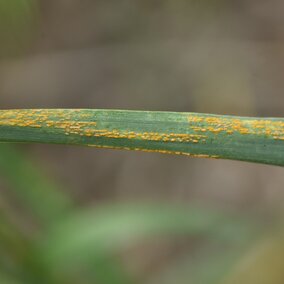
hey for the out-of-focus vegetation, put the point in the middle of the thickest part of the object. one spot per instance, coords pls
(18, 22)
(85, 245)
(207, 222)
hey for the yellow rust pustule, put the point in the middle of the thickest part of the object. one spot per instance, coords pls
(46, 119)
(64, 121)
(149, 136)
(259, 127)
(156, 151)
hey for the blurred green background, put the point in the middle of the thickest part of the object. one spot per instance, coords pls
(84, 215)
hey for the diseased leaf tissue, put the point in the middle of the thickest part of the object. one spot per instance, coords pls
(199, 135)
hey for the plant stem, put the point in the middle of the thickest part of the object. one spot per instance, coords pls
(249, 139)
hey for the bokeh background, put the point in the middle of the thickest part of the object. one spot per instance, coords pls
(223, 57)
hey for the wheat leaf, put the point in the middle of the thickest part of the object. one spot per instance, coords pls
(249, 139)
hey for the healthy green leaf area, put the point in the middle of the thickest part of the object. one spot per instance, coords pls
(249, 139)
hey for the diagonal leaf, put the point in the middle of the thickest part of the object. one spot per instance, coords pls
(262, 264)
(42, 197)
(106, 230)
(208, 266)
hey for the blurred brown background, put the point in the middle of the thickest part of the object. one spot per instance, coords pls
(224, 57)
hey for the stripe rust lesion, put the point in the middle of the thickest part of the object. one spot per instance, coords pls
(272, 129)
(156, 151)
(48, 119)
(82, 123)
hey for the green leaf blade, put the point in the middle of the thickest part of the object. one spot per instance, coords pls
(258, 140)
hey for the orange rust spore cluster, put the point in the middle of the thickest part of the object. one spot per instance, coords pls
(82, 126)
(48, 119)
(149, 136)
(200, 126)
(273, 129)
(196, 129)
(157, 151)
